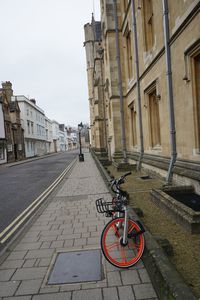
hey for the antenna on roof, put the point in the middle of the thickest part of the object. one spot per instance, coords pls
(93, 9)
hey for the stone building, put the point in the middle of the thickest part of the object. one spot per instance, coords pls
(72, 139)
(14, 132)
(95, 74)
(150, 85)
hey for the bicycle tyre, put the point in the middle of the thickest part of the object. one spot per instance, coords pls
(116, 254)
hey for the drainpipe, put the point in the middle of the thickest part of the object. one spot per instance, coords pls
(170, 93)
(120, 82)
(138, 85)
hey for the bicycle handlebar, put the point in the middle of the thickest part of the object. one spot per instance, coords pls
(118, 182)
(126, 174)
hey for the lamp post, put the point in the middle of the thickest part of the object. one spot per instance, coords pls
(81, 155)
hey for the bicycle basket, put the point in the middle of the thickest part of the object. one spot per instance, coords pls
(103, 206)
(107, 207)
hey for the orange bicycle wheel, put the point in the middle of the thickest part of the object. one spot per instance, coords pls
(119, 255)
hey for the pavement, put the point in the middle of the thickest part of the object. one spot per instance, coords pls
(69, 222)
(19, 162)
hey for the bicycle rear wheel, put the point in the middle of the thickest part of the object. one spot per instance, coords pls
(119, 255)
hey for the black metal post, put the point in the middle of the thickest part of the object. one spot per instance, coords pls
(80, 142)
(81, 155)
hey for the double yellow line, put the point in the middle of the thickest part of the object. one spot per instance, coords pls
(12, 227)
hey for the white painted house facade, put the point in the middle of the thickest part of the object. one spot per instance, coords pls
(3, 154)
(63, 138)
(33, 123)
(49, 136)
(62, 142)
(55, 133)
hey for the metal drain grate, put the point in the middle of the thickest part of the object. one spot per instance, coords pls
(74, 267)
(191, 200)
(145, 177)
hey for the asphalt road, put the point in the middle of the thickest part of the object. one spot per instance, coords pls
(21, 184)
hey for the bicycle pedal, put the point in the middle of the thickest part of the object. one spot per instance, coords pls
(135, 234)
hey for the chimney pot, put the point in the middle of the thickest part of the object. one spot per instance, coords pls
(33, 101)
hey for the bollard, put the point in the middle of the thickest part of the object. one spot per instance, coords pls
(81, 157)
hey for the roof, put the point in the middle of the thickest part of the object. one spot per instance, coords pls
(22, 98)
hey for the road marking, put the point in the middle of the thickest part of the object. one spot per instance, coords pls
(33, 206)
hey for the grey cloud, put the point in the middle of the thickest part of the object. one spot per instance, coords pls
(42, 54)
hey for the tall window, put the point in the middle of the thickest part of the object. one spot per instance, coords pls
(196, 75)
(154, 119)
(148, 23)
(28, 125)
(109, 111)
(32, 128)
(133, 125)
(192, 71)
(129, 53)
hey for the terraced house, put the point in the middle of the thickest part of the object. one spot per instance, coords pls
(33, 122)
(143, 66)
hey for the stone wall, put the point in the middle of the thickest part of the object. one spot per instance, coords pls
(184, 45)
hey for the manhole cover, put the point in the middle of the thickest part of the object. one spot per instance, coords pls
(79, 266)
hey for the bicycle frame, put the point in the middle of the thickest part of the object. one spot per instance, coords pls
(122, 234)
(125, 233)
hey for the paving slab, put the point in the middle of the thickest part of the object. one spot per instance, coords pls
(18, 298)
(28, 287)
(11, 264)
(110, 294)
(5, 275)
(130, 277)
(8, 288)
(144, 291)
(126, 292)
(29, 273)
(70, 222)
(93, 294)
(53, 296)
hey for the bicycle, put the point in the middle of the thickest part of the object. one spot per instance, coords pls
(122, 239)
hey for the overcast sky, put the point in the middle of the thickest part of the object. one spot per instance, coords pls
(42, 54)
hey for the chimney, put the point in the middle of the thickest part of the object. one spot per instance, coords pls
(7, 88)
(62, 127)
(33, 101)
